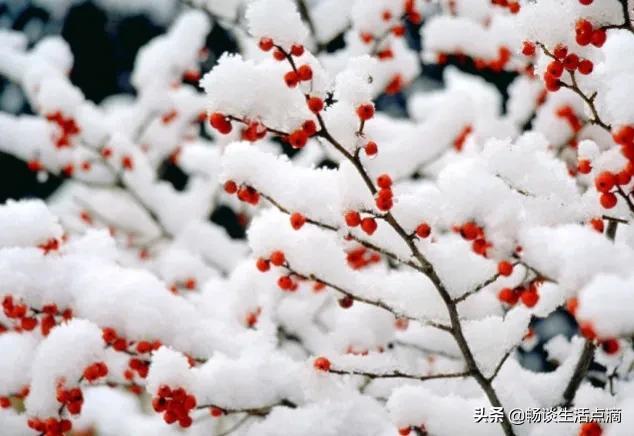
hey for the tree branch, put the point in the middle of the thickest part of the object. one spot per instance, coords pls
(399, 374)
(579, 374)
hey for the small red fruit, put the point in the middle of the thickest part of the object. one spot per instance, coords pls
(352, 218)
(371, 149)
(584, 166)
(530, 297)
(322, 364)
(262, 264)
(528, 48)
(610, 346)
(605, 181)
(315, 104)
(423, 230)
(608, 200)
(586, 66)
(230, 187)
(384, 181)
(305, 73)
(292, 79)
(266, 44)
(365, 112)
(277, 258)
(297, 50)
(505, 268)
(368, 225)
(297, 220)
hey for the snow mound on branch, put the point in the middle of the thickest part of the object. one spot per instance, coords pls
(278, 20)
(27, 223)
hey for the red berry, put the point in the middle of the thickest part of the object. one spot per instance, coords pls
(298, 138)
(586, 2)
(584, 166)
(590, 429)
(597, 224)
(384, 181)
(230, 187)
(560, 51)
(423, 230)
(624, 136)
(505, 268)
(315, 104)
(322, 364)
(291, 78)
(508, 296)
(277, 258)
(305, 73)
(610, 346)
(365, 111)
(470, 231)
(279, 55)
(571, 62)
(185, 421)
(586, 66)
(285, 283)
(297, 220)
(587, 330)
(528, 48)
(216, 411)
(404, 431)
(297, 50)
(368, 225)
(266, 44)
(309, 127)
(598, 37)
(366, 37)
(398, 31)
(608, 200)
(384, 200)
(555, 68)
(605, 181)
(352, 218)
(371, 149)
(262, 264)
(28, 323)
(220, 122)
(530, 297)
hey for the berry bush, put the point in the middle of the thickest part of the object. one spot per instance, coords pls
(395, 267)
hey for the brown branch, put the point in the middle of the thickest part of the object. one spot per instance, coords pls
(574, 86)
(350, 235)
(626, 197)
(500, 365)
(399, 374)
(377, 303)
(479, 287)
(252, 411)
(587, 355)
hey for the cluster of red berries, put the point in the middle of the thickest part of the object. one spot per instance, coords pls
(470, 231)
(606, 181)
(302, 74)
(512, 5)
(564, 61)
(568, 114)
(51, 426)
(72, 399)
(384, 197)
(361, 257)
(140, 366)
(277, 258)
(28, 323)
(367, 224)
(586, 34)
(175, 404)
(68, 126)
(299, 137)
(458, 143)
(496, 65)
(95, 371)
(253, 131)
(246, 193)
(267, 44)
(528, 294)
